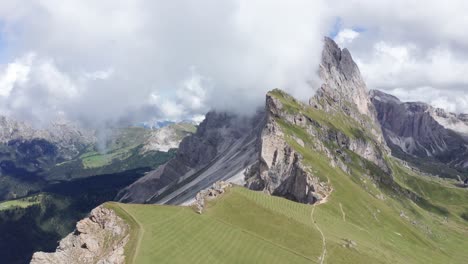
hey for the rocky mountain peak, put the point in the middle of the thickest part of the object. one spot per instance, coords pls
(333, 56)
(342, 79)
(344, 91)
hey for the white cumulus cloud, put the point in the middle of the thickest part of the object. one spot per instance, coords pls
(345, 36)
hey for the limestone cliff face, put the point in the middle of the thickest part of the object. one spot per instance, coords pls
(280, 169)
(422, 131)
(343, 83)
(100, 238)
(344, 91)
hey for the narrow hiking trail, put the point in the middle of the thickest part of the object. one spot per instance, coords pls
(343, 213)
(324, 241)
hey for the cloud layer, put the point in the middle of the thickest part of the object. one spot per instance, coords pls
(415, 50)
(112, 61)
(117, 62)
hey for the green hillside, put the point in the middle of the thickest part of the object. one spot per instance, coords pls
(371, 216)
(244, 226)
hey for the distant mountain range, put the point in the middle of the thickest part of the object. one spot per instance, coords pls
(56, 175)
(431, 138)
(30, 157)
(164, 123)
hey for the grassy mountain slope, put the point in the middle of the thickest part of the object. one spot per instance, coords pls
(238, 228)
(371, 216)
(244, 226)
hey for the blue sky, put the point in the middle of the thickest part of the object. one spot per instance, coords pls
(2, 44)
(339, 25)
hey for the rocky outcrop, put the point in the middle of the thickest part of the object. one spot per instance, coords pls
(100, 238)
(422, 131)
(279, 170)
(217, 189)
(168, 137)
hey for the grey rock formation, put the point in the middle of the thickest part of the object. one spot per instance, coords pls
(100, 238)
(280, 170)
(345, 92)
(422, 131)
(342, 82)
(221, 149)
(217, 189)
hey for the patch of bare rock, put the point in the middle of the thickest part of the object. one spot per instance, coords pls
(215, 191)
(99, 238)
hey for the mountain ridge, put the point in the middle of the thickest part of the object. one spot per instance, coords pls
(421, 131)
(265, 147)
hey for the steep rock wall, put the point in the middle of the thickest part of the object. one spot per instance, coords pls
(99, 238)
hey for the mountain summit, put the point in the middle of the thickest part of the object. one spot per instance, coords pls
(342, 78)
